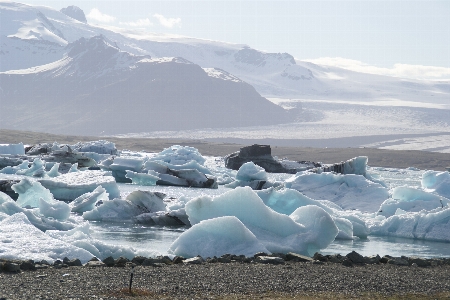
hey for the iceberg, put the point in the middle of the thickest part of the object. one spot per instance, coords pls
(411, 200)
(277, 232)
(142, 178)
(125, 210)
(19, 239)
(215, 237)
(12, 149)
(99, 147)
(37, 169)
(30, 193)
(70, 186)
(88, 201)
(437, 183)
(348, 191)
(58, 210)
(249, 171)
(15, 169)
(179, 155)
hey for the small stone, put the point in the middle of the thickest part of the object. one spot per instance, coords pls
(11, 267)
(121, 262)
(27, 265)
(398, 261)
(355, 257)
(320, 257)
(138, 259)
(347, 262)
(109, 261)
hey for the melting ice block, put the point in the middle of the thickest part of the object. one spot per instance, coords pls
(411, 200)
(348, 191)
(436, 182)
(124, 210)
(72, 185)
(142, 178)
(215, 237)
(99, 147)
(432, 225)
(19, 239)
(12, 149)
(277, 232)
(87, 202)
(249, 171)
(31, 192)
(179, 155)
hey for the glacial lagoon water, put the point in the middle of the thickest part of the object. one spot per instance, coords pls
(157, 239)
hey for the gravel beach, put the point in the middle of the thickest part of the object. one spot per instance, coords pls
(234, 280)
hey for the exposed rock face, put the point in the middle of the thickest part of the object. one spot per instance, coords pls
(75, 13)
(261, 155)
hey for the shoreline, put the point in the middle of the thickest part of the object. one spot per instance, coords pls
(234, 277)
(377, 157)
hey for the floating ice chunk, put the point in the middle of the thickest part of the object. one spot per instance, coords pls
(8, 205)
(80, 237)
(58, 209)
(37, 169)
(142, 178)
(411, 200)
(12, 149)
(87, 201)
(72, 185)
(15, 169)
(216, 237)
(320, 227)
(54, 171)
(437, 182)
(30, 193)
(124, 210)
(74, 168)
(249, 171)
(162, 167)
(189, 178)
(171, 218)
(433, 225)
(19, 239)
(348, 191)
(99, 147)
(278, 233)
(345, 228)
(179, 155)
(120, 165)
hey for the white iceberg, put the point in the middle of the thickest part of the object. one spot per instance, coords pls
(277, 232)
(179, 155)
(72, 185)
(87, 201)
(437, 183)
(12, 149)
(215, 237)
(348, 191)
(30, 193)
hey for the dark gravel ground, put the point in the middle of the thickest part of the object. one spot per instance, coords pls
(231, 281)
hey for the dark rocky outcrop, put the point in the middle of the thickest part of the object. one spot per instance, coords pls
(261, 155)
(75, 13)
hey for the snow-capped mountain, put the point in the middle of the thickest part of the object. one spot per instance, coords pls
(97, 88)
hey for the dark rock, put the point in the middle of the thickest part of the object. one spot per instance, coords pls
(398, 261)
(109, 261)
(27, 265)
(223, 260)
(319, 257)
(336, 258)
(347, 262)
(374, 259)
(165, 260)
(121, 262)
(260, 254)
(94, 259)
(421, 262)
(259, 155)
(297, 257)
(138, 260)
(177, 260)
(10, 267)
(385, 259)
(5, 187)
(74, 263)
(355, 257)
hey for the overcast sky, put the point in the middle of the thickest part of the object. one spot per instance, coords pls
(379, 36)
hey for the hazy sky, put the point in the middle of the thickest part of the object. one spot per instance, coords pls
(387, 36)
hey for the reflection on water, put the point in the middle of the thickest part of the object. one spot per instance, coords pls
(390, 246)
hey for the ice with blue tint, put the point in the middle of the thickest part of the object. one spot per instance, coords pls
(249, 171)
(19, 239)
(125, 210)
(120, 165)
(348, 191)
(179, 155)
(99, 147)
(142, 178)
(58, 210)
(15, 169)
(12, 149)
(277, 232)
(37, 169)
(161, 166)
(411, 200)
(215, 237)
(88, 201)
(30, 193)
(54, 171)
(437, 183)
(81, 238)
(431, 225)
(72, 185)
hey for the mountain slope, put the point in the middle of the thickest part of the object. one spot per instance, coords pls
(96, 88)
